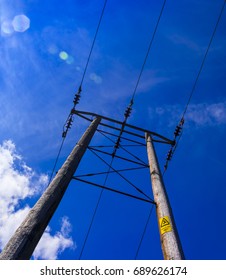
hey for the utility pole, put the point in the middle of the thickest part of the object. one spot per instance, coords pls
(170, 242)
(27, 236)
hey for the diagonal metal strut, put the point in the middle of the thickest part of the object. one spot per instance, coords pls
(113, 190)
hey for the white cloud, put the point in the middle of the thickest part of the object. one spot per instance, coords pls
(14, 179)
(207, 114)
(18, 182)
(50, 246)
(200, 115)
(9, 222)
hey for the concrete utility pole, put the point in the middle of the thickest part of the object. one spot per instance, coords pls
(27, 236)
(170, 242)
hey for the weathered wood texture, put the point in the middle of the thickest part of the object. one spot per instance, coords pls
(170, 242)
(27, 236)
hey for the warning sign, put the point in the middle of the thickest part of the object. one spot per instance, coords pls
(165, 225)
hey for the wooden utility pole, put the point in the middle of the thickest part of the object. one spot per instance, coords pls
(170, 242)
(27, 236)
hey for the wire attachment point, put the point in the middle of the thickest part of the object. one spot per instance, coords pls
(179, 128)
(68, 125)
(77, 96)
(128, 110)
(177, 131)
(177, 135)
(169, 155)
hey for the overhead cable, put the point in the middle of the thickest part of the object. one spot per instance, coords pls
(130, 106)
(144, 231)
(179, 127)
(149, 48)
(95, 212)
(77, 96)
(204, 59)
(68, 124)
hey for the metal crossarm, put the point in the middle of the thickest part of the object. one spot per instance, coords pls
(89, 116)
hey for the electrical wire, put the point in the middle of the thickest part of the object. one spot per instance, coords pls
(95, 211)
(123, 148)
(144, 231)
(56, 160)
(69, 120)
(77, 96)
(148, 51)
(94, 40)
(204, 59)
(130, 106)
(181, 123)
(126, 115)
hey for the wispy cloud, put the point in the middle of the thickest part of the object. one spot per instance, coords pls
(207, 114)
(198, 115)
(36, 86)
(185, 41)
(17, 183)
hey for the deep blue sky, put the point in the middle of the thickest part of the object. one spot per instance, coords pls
(40, 71)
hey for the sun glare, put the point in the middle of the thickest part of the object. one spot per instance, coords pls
(20, 23)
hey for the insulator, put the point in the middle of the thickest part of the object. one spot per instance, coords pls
(77, 98)
(177, 131)
(169, 155)
(69, 123)
(127, 112)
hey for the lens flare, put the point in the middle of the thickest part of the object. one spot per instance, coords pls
(7, 28)
(70, 59)
(21, 23)
(63, 55)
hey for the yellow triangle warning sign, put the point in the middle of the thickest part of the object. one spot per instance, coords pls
(165, 225)
(164, 222)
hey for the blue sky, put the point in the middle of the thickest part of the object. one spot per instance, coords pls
(44, 47)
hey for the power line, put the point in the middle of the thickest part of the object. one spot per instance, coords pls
(144, 231)
(179, 127)
(56, 160)
(126, 116)
(204, 59)
(77, 96)
(95, 211)
(123, 148)
(94, 40)
(130, 106)
(148, 51)
(68, 124)
(110, 167)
